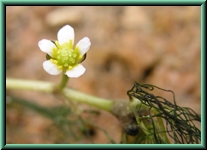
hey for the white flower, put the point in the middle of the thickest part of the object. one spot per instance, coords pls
(62, 55)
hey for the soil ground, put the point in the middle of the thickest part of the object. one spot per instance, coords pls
(158, 45)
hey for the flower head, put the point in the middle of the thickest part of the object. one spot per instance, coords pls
(62, 55)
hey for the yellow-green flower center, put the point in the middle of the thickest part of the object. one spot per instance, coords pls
(64, 56)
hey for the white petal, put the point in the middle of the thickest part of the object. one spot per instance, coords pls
(51, 68)
(84, 45)
(65, 34)
(76, 71)
(46, 46)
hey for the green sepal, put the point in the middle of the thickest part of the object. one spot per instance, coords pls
(82, 59)
(48, 57)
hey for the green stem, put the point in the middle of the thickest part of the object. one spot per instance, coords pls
(20, 84)
(160, 124)
(97, 102)
(146, 127)
(63, 82)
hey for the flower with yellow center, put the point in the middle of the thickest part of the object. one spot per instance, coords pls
(62, 55)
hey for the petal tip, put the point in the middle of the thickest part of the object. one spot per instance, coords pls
(65, 34)
(76, 72)
(84, 45)
(51, 68)
(46, 46)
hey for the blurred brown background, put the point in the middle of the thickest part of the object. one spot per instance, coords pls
(158, 45)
